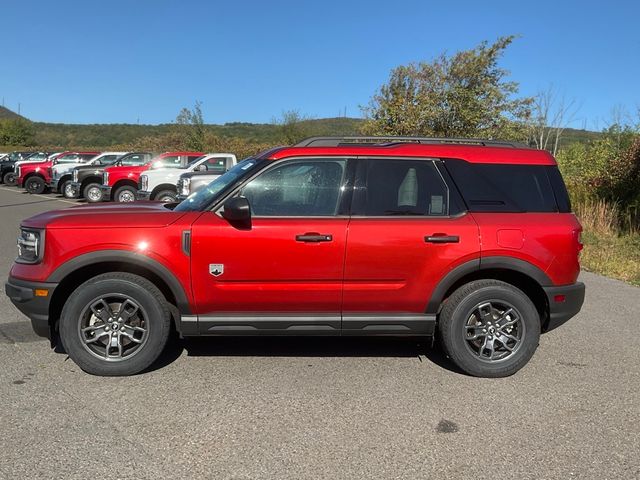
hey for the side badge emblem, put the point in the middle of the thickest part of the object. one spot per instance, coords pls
(216, 269)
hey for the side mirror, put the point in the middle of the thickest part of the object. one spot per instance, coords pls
(201, 168)
(237, 210)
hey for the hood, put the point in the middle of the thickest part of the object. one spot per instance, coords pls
(137, 214)
(126, 168)
(34, 165)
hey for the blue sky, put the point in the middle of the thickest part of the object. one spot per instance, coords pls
(128, 61)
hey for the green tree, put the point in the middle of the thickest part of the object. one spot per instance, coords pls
(16, 132)
(291, 127)
(465, 95)
(190, 124)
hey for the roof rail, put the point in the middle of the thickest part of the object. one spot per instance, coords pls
(390, 140)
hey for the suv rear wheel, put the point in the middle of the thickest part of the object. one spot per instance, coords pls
(92, 193)
(115, 324)
(125, 194)
(35, 185)
(489, 328)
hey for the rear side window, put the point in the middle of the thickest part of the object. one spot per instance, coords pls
(400, 187)
(136, 159)
(503, 188)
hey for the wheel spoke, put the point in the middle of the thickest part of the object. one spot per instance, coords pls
(98, 332)
(485, 311)
(102, 310)
(131, 334)
(128, 309)
(504, 344)
(477, 332)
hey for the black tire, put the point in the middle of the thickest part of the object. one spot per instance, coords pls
(167, 196)
(62, 186)
(9, 179)
(35, 185)
(125, 194)
(152, 314)
(469, 312)
(92, 193)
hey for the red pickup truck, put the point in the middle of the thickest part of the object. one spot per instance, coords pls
(120, 183)
(35, 177)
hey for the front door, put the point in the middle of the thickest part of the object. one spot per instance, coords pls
(284, 273)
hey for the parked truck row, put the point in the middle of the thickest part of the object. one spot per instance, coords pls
(114, 176)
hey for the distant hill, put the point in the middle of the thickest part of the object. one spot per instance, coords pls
(106, 135)
(5, 113)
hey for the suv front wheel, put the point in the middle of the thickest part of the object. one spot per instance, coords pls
(115, 324)
(489, 328)
(125, 194)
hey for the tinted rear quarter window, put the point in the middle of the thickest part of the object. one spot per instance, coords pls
(503, 188)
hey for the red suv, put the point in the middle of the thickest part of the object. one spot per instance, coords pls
(120, 183)
(473, 241)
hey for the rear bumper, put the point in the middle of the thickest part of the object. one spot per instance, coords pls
(143, 195)
(74, 188)
(106, 193)
(21, 293)
(564, 303)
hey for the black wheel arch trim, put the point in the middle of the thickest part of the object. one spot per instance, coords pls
(123, 256)
(484, 263)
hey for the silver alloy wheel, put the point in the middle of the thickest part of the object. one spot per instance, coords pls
(167, 199)
(126, 196)
(113, 327)
(494, 331)
(68, 191)
(94, 194)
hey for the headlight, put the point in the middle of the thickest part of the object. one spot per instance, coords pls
(29, 246)
(17, 171)
(75, 175)
(105, 178)
(144, 182)
(185, 186)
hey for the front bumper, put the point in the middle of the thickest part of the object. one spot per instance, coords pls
(75, 189)
(53, 186)
(106, 193)
(22, 295)
(564, 303)
(143, 195)
(19, 181)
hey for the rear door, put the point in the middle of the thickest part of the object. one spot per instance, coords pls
(284, 273)
(407, 231)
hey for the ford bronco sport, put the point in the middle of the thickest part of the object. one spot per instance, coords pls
(473, 241)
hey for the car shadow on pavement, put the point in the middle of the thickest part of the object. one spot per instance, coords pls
(420, 349)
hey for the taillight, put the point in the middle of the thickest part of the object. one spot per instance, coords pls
(577, 234)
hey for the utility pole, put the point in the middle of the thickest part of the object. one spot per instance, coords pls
(18, 108)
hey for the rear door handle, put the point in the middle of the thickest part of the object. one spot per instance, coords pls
(314, 237)
(442, 238)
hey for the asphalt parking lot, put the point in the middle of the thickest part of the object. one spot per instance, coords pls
(323, 408)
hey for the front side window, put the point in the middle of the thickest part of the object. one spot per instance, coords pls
(400, 187)
(297, 188)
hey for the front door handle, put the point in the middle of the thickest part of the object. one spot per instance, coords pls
(442, 238)
(313, 237)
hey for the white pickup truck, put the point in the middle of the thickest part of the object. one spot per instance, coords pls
(160, 184)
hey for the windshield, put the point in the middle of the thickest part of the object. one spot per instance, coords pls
(199, 200)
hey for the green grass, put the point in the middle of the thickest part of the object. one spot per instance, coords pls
(616, 256)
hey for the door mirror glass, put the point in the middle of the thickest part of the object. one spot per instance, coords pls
(237, 210)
